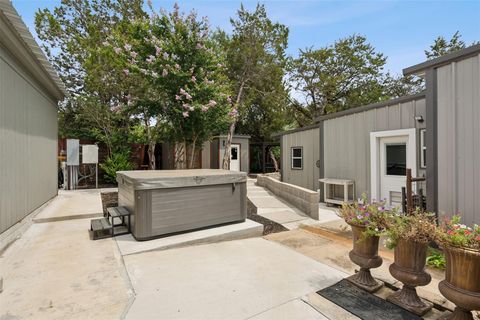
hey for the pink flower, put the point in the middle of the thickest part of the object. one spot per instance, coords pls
(117, 50)
(189, 97)
(150, 59)
(212, 103)
(191, 108)
(127, 47)
(186, 106)
(177, 97)
(229, 99)
(204, 108)
(233, 113)
(165, 55)
(133, 54)
(158, 50)
(185, 114)
(182, 91)
(194, 79)
(126, 71)
(164, 72)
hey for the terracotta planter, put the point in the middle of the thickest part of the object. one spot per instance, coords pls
(365, 255)
(462, 281)
(409, 268)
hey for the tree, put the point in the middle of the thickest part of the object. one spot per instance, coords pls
(337, 77)
(72, 35)
(441, 46)
(176, 82)
(255, 66)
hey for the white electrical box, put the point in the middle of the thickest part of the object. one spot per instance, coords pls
(90, 153)
(73, 152)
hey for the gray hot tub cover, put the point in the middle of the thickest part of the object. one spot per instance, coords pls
(157, 179)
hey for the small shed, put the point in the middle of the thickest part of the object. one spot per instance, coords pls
(213, 152)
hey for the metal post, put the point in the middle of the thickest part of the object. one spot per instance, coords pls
(409, 192)
(96, 175)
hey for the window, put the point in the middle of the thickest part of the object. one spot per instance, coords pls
(423, 149)
(396, 159)
(297, 158)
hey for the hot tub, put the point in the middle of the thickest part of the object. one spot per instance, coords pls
(169, 201)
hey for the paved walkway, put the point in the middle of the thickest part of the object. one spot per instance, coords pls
(280, 211)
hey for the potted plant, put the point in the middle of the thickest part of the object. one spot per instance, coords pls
(462, 275)
(368, 222)
(410, 235)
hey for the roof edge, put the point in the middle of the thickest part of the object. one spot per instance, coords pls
(451, 57)
(19, 41)
(305, 128)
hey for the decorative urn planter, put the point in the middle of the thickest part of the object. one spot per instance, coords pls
(365, 255)
(462, 281)
(409, 268)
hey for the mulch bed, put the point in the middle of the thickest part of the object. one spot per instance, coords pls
(109, 199)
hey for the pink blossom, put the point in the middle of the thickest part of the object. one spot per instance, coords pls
(204, 108)
(191, 108)
(229, 99)
(186, 106)
(117, 50)
(143, 71)
(154, 74)
(150, 59)
(126, 71)
(158, 50)
(200, 46)
(165, 55)
(182, 91)
(212, 103)
(164, 72)
(133, 54)
(177, 66)
(105, 43)
(194, 79)
(127, 47)
(233, 113)
(177, 97)
(185, 114)
(189, 97)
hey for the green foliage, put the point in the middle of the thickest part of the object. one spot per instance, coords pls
(256, 62)
(371, 215)
(419, 227)
(436, 258)
(453, 233)
(118, 161)
(442, 46)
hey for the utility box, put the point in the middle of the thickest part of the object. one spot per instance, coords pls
(90, 154)
(73, 152)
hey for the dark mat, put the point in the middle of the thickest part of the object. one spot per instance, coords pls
(364, 304)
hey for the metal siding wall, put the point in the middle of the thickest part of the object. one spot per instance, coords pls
(459, 139)
(347, 139)
(244, 152)
(28, 145)
(310, 141)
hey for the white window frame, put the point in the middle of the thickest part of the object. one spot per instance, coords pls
(296, 158)
(423, 146)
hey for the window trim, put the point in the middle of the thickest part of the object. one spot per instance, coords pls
(296, 158)
(423, 146)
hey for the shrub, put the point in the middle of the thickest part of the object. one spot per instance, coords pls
(419, 227)
(436, 258)
(118, 161)
(373, 216)
(453, 233)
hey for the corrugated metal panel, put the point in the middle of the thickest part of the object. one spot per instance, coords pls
(347, 139)
(458, 112)
(309, 175)
(28, 145)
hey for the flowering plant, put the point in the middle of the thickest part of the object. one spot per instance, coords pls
(453, 233)
(419, 227)
(371, 215)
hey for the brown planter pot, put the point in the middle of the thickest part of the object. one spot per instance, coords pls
(409, 268)
(462, 281)
(365, 255)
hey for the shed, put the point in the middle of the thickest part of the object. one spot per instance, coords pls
(29, 92)
(453, 132)
(213, 151)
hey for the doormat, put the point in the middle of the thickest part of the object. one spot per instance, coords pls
(364, 304)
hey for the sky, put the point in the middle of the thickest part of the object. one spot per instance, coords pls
(402, 29)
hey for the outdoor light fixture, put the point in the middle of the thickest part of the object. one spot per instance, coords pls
(419, 118)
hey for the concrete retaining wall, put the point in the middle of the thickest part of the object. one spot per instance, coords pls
(304, 199)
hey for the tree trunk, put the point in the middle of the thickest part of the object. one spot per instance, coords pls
(231, 131)
(272, 156)
(180, 152)
(192, 157)
(151, 155)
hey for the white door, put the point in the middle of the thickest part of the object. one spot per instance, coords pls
(235, 157)
(393, 165)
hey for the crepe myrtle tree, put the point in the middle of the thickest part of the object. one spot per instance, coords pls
(176, 83)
